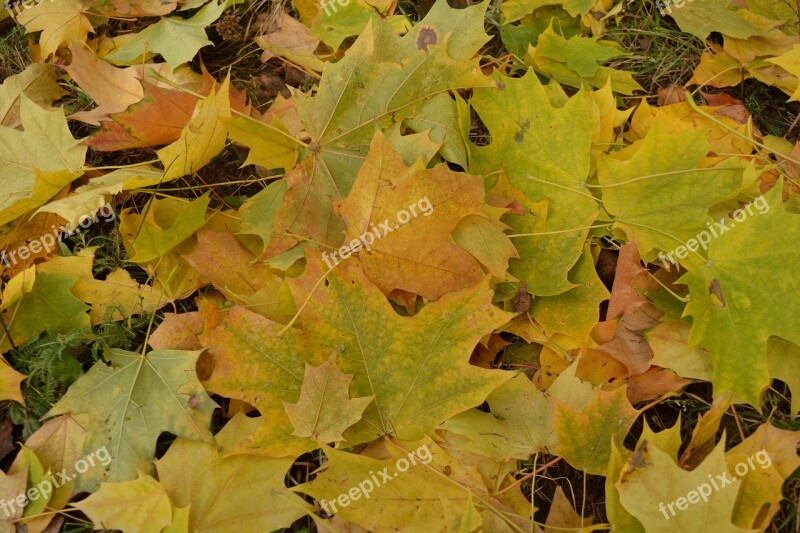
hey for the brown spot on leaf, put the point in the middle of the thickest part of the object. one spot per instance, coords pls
(716, 290)
(522, 300)
(523, 129)
(637, 458)
(426, 37)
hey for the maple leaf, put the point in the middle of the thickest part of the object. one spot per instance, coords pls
(60, 21)
(651, 481)
(221, 260)
(109, 506)
(117, 292)
(573, 312)
(113, 89)
(628, 282)
(26, 460)
(514, 10)
(465, 28)
(776, 458)
(722, 132)
(790, 63)
(713, 15)
(390, 366)
(587, 421)
(737, 299)
(11, 485)
(545, 152)
(130, 403)
(160, 116)
(325, 409)
(10, 381)
(291, 39)
(447, 120)
(344, 19)
(177, 332)
(258, 212)
(271, 145)
(33, 313)
(670, 343)
(96, 195)
(483, 237)
(37, 82)
(430, 267)
(38, 162)
(577, 60)
(657, 193)
(563, 516)
(157, 119)
(194, 474)
(447, 494)
(202, 138)
(58, 444)
(140, 8)
(784, 364)
(388, 79)
(177, 39)
(165, 224)
(519, 425)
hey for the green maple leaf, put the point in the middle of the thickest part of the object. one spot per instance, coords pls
(574, 312)
(49, 306)
(702, 18)
(743, 296)
(514, 10)
(341, 20)
(448, 121)
(177, 39)
(270, 145)
(131, 402)
(657, 193)
(578, 60)
(165, 224)
(545, 151)
(258, 212)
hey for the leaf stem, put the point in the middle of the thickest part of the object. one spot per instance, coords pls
(308, 299)
(605, 225)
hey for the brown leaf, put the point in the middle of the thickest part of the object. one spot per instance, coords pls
(739, 113)
(625, 298)
(629, 345)
(720, 99)
(671, 95)
(654, 383)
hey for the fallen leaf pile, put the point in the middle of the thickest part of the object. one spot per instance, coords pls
(490, 257)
